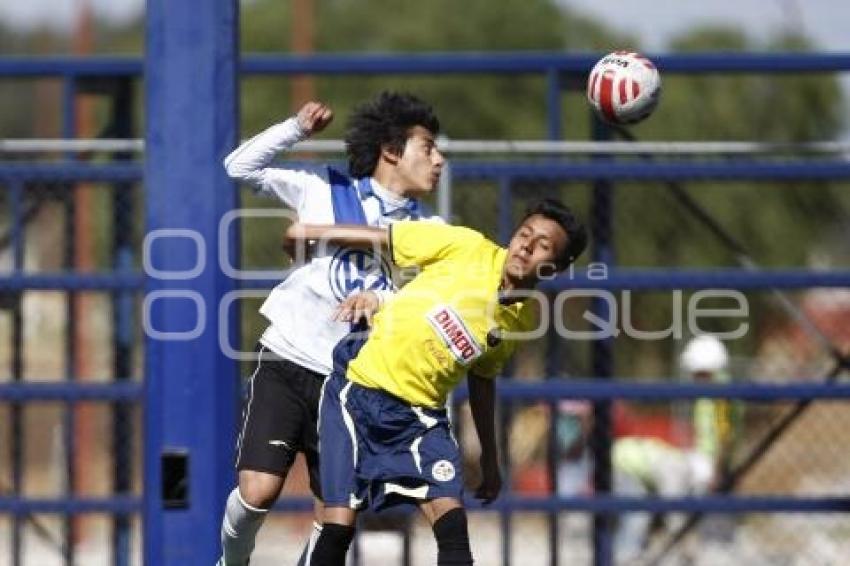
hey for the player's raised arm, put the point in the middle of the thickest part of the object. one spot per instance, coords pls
(314, 117)
(251, 162)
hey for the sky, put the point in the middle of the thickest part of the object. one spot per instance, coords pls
(656, 21)
(59, 14)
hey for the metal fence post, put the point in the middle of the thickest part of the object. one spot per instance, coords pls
(191, 74)
(602, 239)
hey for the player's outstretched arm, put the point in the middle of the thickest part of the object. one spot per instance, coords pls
(352, 235)
(482, 401)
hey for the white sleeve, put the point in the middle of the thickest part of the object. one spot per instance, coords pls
(249, 163)
(435, 219)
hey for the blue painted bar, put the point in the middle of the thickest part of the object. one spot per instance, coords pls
(580, 388)
(72, 506)
(667, 279)
(584, 388)
(113, 281)
(626, 170)
(592, 389)
(455, 62)
(732, 169)
(192, 395)
(650, 279)
(61, 66)
(71, 172)
(33, 390)
(614, 504)
(536, 62)
(728, 169)
(707, 504)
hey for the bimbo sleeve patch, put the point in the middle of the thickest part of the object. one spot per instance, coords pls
(460, 341)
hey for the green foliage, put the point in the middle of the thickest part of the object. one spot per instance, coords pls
(479, 106)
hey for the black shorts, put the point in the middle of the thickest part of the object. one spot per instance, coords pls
(279, 418)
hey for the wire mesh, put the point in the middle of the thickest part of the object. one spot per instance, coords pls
(55, 335)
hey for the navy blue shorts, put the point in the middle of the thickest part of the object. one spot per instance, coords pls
(377, 450)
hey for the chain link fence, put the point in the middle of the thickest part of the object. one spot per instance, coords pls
(65, 321)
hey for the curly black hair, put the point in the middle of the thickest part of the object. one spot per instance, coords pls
(384, 121)
(576, 233)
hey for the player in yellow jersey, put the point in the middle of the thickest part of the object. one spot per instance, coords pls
(384, 432)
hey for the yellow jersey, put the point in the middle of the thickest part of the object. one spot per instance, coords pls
(446, 322)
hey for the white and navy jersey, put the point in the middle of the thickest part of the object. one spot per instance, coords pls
(300, 307)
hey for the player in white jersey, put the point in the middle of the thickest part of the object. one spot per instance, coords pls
(392, 160)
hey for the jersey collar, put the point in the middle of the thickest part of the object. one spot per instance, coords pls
(391, 205)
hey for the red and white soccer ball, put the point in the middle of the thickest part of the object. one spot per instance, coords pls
(624, 87)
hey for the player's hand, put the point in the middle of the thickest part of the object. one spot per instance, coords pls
(357, 307)
(491, 481)
(314, 117)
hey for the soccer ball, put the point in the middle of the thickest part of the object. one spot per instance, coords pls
(623, 87)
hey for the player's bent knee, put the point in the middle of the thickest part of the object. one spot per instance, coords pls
(259, 489)
(332, 545)
(452, 534)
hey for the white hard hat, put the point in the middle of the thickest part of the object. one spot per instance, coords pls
(704, 353)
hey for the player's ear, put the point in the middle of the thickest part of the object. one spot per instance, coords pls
(390, 154)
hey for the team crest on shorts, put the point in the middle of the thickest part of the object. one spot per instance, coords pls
(443, 470)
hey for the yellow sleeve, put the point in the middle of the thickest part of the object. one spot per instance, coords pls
(491, 364)
(420, 243)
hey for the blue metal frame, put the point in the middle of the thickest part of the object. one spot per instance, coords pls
(71, 506)
(16, 195)
(171, 151)
(16, 392)
(616, 504)
(652, 279)
(192, 393)
(457, 62)
(590, 389)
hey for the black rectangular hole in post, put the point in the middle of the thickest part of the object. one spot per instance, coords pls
(175, 479)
